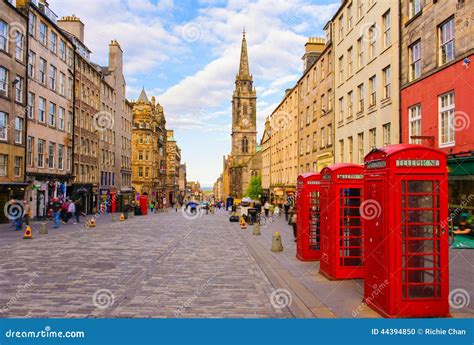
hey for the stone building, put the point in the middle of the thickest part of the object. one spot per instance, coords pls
(315, 107)
(13, 101)
(50, 125)
(149, 153)
(244, 126)
(88, 77)
(182, 182)
(173, 163)
(265, 144)
(114, 122)
(366, 70)
(437, 74)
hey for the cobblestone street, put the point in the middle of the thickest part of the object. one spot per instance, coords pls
(162, 265)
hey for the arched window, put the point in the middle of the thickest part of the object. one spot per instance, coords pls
(245, 145)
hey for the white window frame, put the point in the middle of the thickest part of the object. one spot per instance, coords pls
(414, 60)
(3, 126)
(19, 123)
(414, 121)
(448, 110)
(446, 41)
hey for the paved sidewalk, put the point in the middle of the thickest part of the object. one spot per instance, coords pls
(343, 298)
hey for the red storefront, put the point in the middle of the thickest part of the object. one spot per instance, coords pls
(437, 111)
(308, 217)
(405, 242)
(341, 225)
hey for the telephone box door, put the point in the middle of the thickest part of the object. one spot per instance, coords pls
(424, 243)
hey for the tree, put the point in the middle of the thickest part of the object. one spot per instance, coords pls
(254, 189)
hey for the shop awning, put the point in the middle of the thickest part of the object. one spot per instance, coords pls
(461, 165)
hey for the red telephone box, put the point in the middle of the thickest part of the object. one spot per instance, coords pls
(341, 226)
(406, 241)
(308, 217)
(144, 204)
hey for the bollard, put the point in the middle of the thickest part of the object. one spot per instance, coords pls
(43, 230)
(114, 218)
(132, 214)
(256, 229)
(277, 246)
(86, 224)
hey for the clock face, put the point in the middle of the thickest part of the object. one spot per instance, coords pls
(245, 122)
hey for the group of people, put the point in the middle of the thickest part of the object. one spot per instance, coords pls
(63, 211)
(288, 209)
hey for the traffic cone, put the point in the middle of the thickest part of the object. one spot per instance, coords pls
(243, 224)
(122, 217)
(28, 233)
(92, 223)
(277, 246)
(256, 229)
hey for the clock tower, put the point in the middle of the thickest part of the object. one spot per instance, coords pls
(244, 112)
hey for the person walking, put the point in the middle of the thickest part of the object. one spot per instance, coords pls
(152, 206)
(293, 221)
(71, 211)
(266, 208)
(56, 208)
(77, 211)
(286, 208)
(26, 212)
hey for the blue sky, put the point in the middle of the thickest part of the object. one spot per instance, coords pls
(186, 53)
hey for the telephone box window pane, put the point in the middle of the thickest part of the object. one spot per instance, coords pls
(420, 231)
(420, 216)
(420, 187)
(421, 247)
(422, 291)
(414, 261)
(314, 226)
(420, 201)
(350, 232)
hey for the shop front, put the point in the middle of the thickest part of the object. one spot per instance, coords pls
(41, 192)
(10, 191)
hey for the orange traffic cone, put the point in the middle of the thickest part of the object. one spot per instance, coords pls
(92, 223)
(28, 235)
(122, 217)
(243, 224)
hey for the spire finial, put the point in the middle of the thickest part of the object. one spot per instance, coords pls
(243, 32)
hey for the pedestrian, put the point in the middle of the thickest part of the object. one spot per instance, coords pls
(293, 221)
(276, 211)
(71, 210)
(78, 211)
(286, 208)
(19, 223)
(55, 206)
(266, 208)
(26, 212)
(63, 213)
(152, 206)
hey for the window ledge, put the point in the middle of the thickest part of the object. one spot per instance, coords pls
(412, 19)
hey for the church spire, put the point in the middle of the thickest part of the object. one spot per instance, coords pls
(244, 72)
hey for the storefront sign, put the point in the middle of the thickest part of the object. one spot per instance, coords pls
(417, 163)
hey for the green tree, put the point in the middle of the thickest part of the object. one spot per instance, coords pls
(254, 189)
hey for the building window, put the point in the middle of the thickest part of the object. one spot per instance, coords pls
(360, 146)
(52, 114)
(29, 151)
(372, 138)
(322, 69)
(41, 147)
(41, 109)
(31, 64)
(51, 152)
(61, 118)
(3, 81)
(349, 62)
(308, 144)
(19, 84)
(32, 24)
(31, 105)
(386, 29)
(20, 45)
(3, 126)
(360, 95)
(341, 109)
(386, 82)
(350, 104)
(61, 157)
(349, 17)
(446, 41)
(245, 145)
(341, 151)
(68, 159)
(53, 42)
(62, 85)
(42, 71)
(373, 90)
(341, 69)
(140, 171)
(387, 134)
(62, 50)
(350, 141)
(18, 130)
(341, 28)
(360, 8)
(414, 56)
(414, 7)
(3, 165)
(52, 77)
(3, 36)
(323, 104)
(446, 119)
(315, 141)
(329, 135)
(70, 57)
(360, 53)
(18, 165)
(308, 116)
(43, 33)
(323, 138)
(140, 155)
(329, 100)
(372, 41)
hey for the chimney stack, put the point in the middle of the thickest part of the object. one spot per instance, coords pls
(313, 49)
(73, 25)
